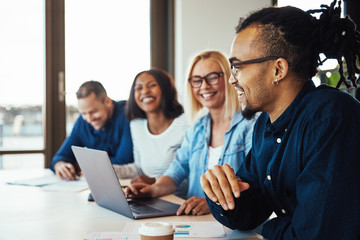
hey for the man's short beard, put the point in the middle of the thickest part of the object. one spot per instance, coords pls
(248, 113)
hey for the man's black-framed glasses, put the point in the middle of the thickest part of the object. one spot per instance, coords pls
(235, 65)
(210, 79)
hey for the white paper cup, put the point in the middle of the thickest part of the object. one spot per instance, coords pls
(156, 230)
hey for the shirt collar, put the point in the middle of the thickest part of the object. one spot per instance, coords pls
(236, 118)
(280, 124)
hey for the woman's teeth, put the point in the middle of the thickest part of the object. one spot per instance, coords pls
(147, 99)
(207, 95)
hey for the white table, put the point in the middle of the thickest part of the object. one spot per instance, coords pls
(30, 213)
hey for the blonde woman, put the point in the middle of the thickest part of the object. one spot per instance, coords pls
(222, 136)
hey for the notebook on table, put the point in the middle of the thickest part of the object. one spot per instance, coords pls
(107, 191)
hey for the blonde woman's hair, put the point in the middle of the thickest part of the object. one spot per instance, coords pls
(192, 106)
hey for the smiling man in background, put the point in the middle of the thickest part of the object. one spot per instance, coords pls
(102, 125)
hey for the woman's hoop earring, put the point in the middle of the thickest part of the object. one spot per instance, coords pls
(275, 82)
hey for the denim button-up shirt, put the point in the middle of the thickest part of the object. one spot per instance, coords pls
(191, 158)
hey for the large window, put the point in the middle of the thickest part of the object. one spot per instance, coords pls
(22, 61)
(107, 41)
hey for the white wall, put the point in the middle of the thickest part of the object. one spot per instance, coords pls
(206, 24)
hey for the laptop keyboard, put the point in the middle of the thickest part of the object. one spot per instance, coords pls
(139, 208)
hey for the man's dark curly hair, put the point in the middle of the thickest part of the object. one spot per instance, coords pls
(299, 37)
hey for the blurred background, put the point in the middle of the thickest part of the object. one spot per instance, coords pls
(49, 48)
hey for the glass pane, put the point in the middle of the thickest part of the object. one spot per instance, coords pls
(17, 161)
(22, 74)
(107, 41)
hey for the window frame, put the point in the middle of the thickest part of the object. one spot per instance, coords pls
(54, 110)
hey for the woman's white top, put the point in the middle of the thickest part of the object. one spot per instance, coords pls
(153, 153)
(214, 156)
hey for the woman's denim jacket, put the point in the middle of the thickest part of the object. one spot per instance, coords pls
(191, 158)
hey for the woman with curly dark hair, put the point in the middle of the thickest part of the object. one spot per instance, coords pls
(157, 125)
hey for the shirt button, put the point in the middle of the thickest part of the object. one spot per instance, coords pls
(269, 177)
(283, 211)
(217, 203)
(221, 215)
(278, 140)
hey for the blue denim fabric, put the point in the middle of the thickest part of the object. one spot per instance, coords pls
(191, 158)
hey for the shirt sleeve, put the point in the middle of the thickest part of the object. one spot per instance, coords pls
(65, 153)
(251, 208)
(135, 136)
(127, 170)
(130, 170)
(179, 167)
(124, 150)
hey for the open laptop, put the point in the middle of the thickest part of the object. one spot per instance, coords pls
(107, 191)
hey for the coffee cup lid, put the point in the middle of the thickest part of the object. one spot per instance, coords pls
(156, 229)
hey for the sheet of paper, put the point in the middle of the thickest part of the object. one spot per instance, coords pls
(199, 229)
(37, 182)
(50, 182)
(208, 229)
(67, 186)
